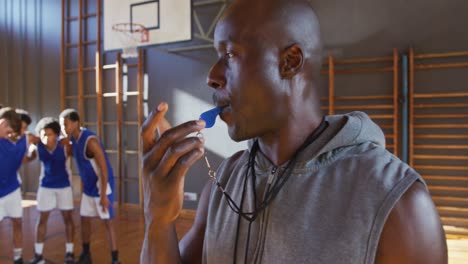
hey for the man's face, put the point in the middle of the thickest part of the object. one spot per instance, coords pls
(5, 128)
(24, 128)
(246, 79)
(48, 137)
(68, 126)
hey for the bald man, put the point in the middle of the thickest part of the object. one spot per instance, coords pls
(309, 189)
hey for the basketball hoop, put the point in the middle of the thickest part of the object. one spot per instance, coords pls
(130, 34)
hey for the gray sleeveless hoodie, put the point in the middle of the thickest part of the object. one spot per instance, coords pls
(331, 210)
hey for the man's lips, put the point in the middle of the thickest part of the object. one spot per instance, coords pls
(221, 99)
(223, 106)
(226, 114)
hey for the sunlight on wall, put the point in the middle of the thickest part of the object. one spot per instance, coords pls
(188, 107)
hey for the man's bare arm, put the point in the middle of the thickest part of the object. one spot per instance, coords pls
(94, 150)
(413, 232)
(65, 142)
(191, 245)
(31, 154)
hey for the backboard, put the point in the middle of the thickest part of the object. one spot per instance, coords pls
(167, 21)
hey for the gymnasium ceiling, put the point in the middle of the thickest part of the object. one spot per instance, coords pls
(375, 26)
(385, 24)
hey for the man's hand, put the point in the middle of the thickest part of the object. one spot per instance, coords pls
(64, 141)
(104, 203)
(168, 153)
(33, 139)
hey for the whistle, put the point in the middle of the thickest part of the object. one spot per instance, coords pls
(210, 116)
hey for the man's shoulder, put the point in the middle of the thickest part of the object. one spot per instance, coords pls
(236, 158)
(371, 151)
(230, 164)
(87, 133)
(413, 218)
(88, 136)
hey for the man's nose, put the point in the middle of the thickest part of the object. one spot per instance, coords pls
(216, 78)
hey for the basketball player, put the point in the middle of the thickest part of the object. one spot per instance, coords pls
(54, 190)
(11, 157)
(98, 181)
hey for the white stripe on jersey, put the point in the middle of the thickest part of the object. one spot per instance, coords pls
(98, 173)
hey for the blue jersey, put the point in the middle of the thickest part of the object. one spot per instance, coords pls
(89, 171)
(54, 173)
(11, 157)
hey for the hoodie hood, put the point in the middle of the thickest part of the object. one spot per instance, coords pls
(351, 129)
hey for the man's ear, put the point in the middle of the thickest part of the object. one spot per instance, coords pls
(291, 62)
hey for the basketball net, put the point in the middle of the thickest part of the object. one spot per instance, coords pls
(130, 35)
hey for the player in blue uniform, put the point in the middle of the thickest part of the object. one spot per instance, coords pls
(54, 190)
(11, 157)
(97, 178)
(30, 155)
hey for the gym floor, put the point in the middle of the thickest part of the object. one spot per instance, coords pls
(130, 229)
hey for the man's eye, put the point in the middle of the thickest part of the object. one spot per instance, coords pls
(228, 55)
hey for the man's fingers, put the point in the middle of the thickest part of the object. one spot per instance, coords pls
(153, 156)
(151, 159)
(155, 122)
(185, 162)
(174, 153)
(177, 133)
(104, 204)
(152, 120)
(163, 126)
